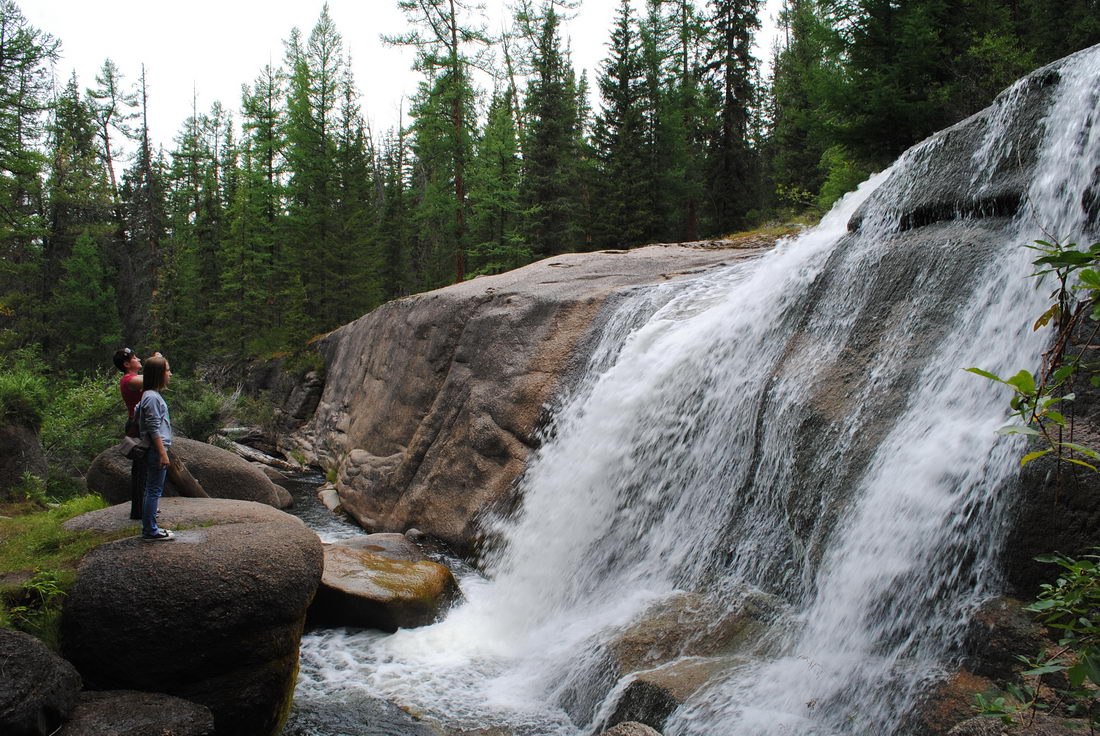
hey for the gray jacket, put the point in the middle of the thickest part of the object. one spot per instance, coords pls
(153, 417)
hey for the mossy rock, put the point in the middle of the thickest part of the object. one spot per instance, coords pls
(381, 581)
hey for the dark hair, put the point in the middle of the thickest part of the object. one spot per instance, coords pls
(121, 356)
(156, 373)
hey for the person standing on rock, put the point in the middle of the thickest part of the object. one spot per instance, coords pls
(130, 386)
(155, 426)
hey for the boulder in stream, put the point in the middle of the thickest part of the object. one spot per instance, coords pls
(381, 581)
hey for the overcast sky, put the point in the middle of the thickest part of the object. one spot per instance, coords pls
(206, 49)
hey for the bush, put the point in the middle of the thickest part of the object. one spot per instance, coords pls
(842, 175)
(197, 410)
(23, 398)
(38, 559)
(84, 419)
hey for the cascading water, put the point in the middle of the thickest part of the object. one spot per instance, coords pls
(795, 430)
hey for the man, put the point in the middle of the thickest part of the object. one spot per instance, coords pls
(131, 387)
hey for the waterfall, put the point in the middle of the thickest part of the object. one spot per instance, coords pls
(794, 432)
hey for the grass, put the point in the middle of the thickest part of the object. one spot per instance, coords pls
(38, 561)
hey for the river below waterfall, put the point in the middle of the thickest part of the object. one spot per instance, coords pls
(792, 435)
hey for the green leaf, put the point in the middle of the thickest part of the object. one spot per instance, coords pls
(1055, 417)
(1033, 456)
(985, 374)
(1082, 463)
(1046, 669)
(1023, 381)
(1086, 451)
(1019, 429)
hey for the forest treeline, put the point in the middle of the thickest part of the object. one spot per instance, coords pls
(257, 227)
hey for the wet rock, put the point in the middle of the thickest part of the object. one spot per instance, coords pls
(131, 713)
(999, 632)
(214, 616)
(38, 689)
(221, 473)
(440, 394)
(947, 703)
(381, 581)
(1027, 725)
(631, 728)
(330, 498)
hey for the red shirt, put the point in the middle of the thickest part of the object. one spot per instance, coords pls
(130, 394)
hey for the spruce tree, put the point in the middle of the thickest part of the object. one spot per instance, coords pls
(624, 142)
(731, 64)
(551, 188)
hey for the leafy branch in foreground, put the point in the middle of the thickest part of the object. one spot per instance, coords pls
(1038, 398)
(1069, 606)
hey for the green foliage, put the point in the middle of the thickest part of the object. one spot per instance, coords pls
(197, 410)
(1069, 606)
(842, 175)
(38, 553)
(85, 417)
(23, 398)
(1038, 398)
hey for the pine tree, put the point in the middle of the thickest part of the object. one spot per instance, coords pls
(441, 36)
(143, 196)
(495, 216)
(25, 55)
(624, 141)
(551, 187)
(731, 64)
(310, 229)
(85, 321)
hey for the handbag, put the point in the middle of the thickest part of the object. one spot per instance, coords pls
(133, 448)
(134, 445)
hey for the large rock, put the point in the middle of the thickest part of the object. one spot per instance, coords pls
(631, 728)
(439, 395)
(221, 473)
(131, 713)
(38, 689)
(381, 581)
(20, 452)
(214, 617)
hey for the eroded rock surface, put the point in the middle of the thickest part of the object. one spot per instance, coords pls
(432, 402)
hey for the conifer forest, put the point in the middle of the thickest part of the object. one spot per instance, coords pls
(270, 219)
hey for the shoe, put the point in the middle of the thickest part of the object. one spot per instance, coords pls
(162, 535)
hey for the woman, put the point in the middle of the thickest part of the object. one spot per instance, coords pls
(155, 425)
(127, 361)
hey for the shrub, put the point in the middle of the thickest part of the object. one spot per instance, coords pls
(197, 410)
(23, 398)
(84, 419)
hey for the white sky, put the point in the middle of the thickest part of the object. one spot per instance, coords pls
(206, 49)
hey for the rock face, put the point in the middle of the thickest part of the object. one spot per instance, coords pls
(20, 452)
(433, 401)
(221, 474)
(214, 616)
(38, 689)
(381, 581)
(130, 713)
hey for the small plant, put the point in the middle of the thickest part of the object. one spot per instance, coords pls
(1070, 606)
(1039, 399)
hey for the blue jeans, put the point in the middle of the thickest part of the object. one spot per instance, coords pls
(154, 488)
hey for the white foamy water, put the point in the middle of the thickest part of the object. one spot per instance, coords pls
(751, 435)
